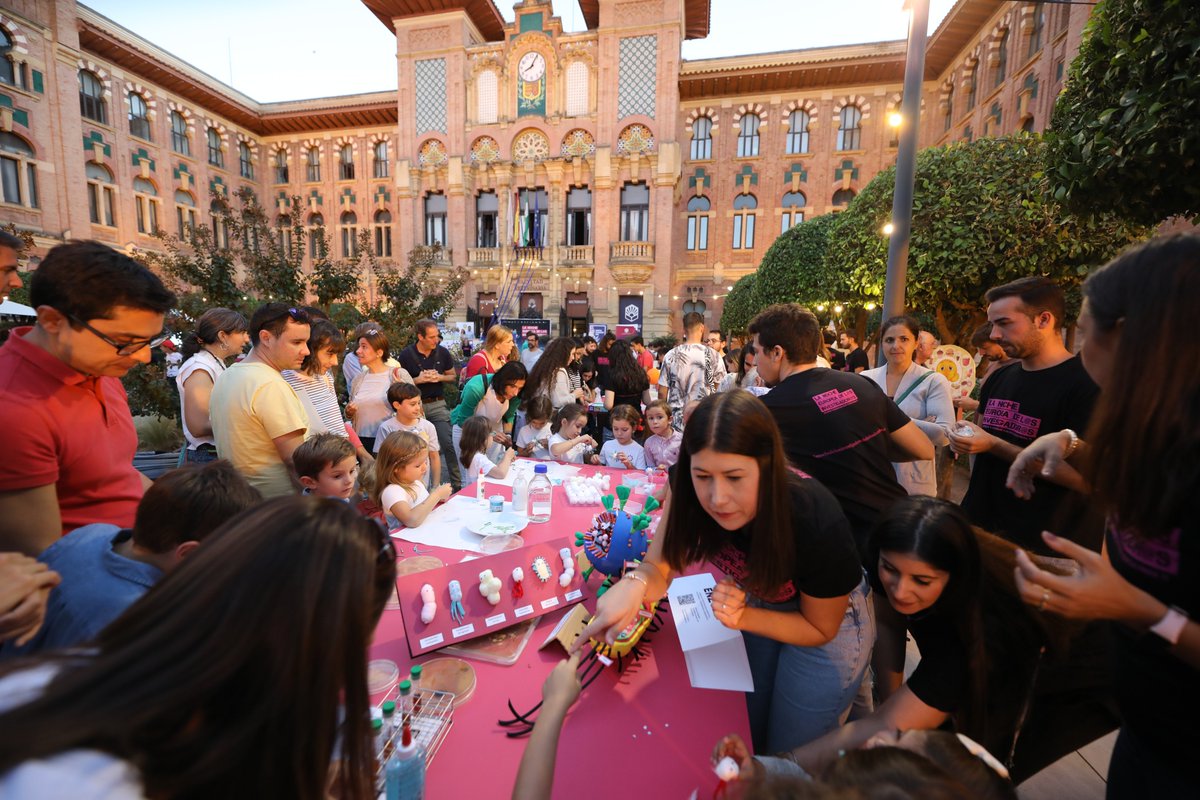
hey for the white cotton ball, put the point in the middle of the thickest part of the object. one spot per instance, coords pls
(518, 574)
(727, 769)
(564, 580)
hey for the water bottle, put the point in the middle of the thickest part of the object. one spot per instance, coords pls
(540, 495)
(404, 775)
(520, 497)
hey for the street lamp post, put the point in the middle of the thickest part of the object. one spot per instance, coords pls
(906, 160)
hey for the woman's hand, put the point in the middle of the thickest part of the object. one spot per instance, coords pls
(729, 603)
(351, 410)
(502, 439)
(1043, 455)
(1094, 591)
(615, 609)
(527, 450)
(733, 747)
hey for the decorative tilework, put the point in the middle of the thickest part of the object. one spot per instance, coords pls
(637, 76)
(487, 97)
(747, 174)
(700, 178)
(846, 167)
(430, 77)
(578, 76)
(485, 150)
(530, 145)
(20, 117)
(38, 82)
(1031, 85)
(217, 186)
(578, 143)
(382, 195)
(94, 141)
(635, 139)
(432, 153)
(140, 156)
(795, 169)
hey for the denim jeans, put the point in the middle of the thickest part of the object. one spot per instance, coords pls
(801, 693)
(199, 456)
(437, 413)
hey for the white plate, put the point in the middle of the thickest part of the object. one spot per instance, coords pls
(498, 524)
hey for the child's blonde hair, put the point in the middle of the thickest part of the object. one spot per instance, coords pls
(398, 450)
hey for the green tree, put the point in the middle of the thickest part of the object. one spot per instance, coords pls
(413, 293)
(983, 215)
(202, 273)
(741, 304)
(273, 265)
(796, 268)
(1123, 137)
(336, 279)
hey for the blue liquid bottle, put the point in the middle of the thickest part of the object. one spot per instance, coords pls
(404, 776)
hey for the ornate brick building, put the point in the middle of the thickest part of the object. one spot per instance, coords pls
(655, 182)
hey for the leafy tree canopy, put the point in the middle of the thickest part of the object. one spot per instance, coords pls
(741, 304)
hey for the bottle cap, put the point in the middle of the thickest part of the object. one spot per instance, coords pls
(540, 469)
(389, 708)
(405, 687)
(376, 724)
(415, 672)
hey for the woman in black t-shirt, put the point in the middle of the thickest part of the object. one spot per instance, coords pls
(794, 585)
(1142, 461)
(627, 382)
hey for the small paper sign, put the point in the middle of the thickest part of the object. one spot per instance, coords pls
(495, 619)
(433, 641)
(574, 595)
(463, 630)
(549, 602)
(523, 611)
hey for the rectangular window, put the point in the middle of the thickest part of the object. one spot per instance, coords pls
(381, 160)
(245, 167)
(179, 143)
(108, 206)
(485, 229)
(383, 241)
(435, 229)
(635, 212)
(743, 231)
(579, 217)
(697, 233)
(31, 185)
(10, 170)
(140, 205)
(140, 127)
(791, 219)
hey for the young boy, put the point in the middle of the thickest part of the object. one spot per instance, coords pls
(327, 466)
(405, 399)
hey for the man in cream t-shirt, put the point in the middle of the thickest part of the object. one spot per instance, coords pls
(257, 419)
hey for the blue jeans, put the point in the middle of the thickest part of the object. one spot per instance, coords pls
(801, 693)
(437, 413)
(199, 456)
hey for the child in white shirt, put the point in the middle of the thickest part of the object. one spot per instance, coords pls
(566, 444)
(476, 436)
(405, 400)
(622, 452)
(534, 439)
(399, 489)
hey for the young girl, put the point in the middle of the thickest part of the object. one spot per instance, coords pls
(662, 446)
(566, 444)
(533, 441)
(398, 485)
(476, 436)
(622, 452)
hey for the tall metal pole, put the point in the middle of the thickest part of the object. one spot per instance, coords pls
(906, 161)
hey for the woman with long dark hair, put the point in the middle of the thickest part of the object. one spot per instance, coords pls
(1141, 457)
(244, 671)
(496, 397)
(313, 384)
(601, 356)
(794, 584)
(221, 334)
(549, 376)
(627, 382)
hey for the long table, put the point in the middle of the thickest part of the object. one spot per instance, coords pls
(644, 732)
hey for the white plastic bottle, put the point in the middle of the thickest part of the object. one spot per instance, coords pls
(541, 495)
(404, 775)
(520, 494)
(480, 490)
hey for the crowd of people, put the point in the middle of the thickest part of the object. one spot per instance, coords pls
(153, 641)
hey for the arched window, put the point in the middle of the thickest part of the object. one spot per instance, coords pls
(245, 165)
(381, 162)
(435, 219)
(139, 119)
(697, 306)
(1001, 60)
(971, 79)
(18, 173)
(91, 97)
(185, 214)
(793, 210)
(635, 212)
(797, 135)
(842, 197)
(487, 212)
(702, 139)
(349, 225)
(216, 210)
(850, 129)
(1038, 25)
(743, 221)
(215, 156)
(145, 198)
(383, 234)
(578, 89)
(8, 70)
(316, 236)
(179, 135)
(948, 119)
(281, 166)
(313, 157)
(1027, 124)
(579, 217)
(101, 193)
(697, 223)
(346, 163)
(747, 143)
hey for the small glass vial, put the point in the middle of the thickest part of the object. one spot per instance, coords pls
(414, 675)
(405, 714)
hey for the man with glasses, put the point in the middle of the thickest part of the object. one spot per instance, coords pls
(69, 438)
(431, 366)
(257, 418)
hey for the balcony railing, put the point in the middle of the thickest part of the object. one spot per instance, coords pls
(631, 253)
(578, 254)
(433, 254)
(485, 256)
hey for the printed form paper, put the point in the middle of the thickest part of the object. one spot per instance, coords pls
(715, 655)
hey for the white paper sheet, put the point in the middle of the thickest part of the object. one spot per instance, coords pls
(446, 525)
(556, 472)
(715, 655)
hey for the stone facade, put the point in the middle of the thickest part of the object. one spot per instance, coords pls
(661, 181)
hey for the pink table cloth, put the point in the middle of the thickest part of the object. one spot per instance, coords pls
(644, 730)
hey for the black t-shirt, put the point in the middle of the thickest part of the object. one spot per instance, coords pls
(940, 679)
(835, 427)
(837, 359)
(1158, 694)
(857, 359)
(627, 394)
(438, 359)
(826, 565)
(1019, 405)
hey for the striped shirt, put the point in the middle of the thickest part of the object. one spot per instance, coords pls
(317, 395)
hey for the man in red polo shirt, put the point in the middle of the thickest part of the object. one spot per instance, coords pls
(69, 438)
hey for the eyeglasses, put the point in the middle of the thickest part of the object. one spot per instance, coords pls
(124, 348)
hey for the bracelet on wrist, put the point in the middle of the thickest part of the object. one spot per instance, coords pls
(1072, 444)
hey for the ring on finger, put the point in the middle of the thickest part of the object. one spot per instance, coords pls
(1045, 599)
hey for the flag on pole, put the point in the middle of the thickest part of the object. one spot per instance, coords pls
(524, 222)
(515, 230)
(536, 238)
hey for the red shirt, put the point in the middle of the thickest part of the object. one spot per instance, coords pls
(65, 428)
(645, 360)
(477, 364)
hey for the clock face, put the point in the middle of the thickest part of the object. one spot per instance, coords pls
(531, 67)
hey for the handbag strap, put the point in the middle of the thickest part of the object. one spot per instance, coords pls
(913, 385)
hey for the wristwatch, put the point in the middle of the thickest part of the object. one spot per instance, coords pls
(1171, 626)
